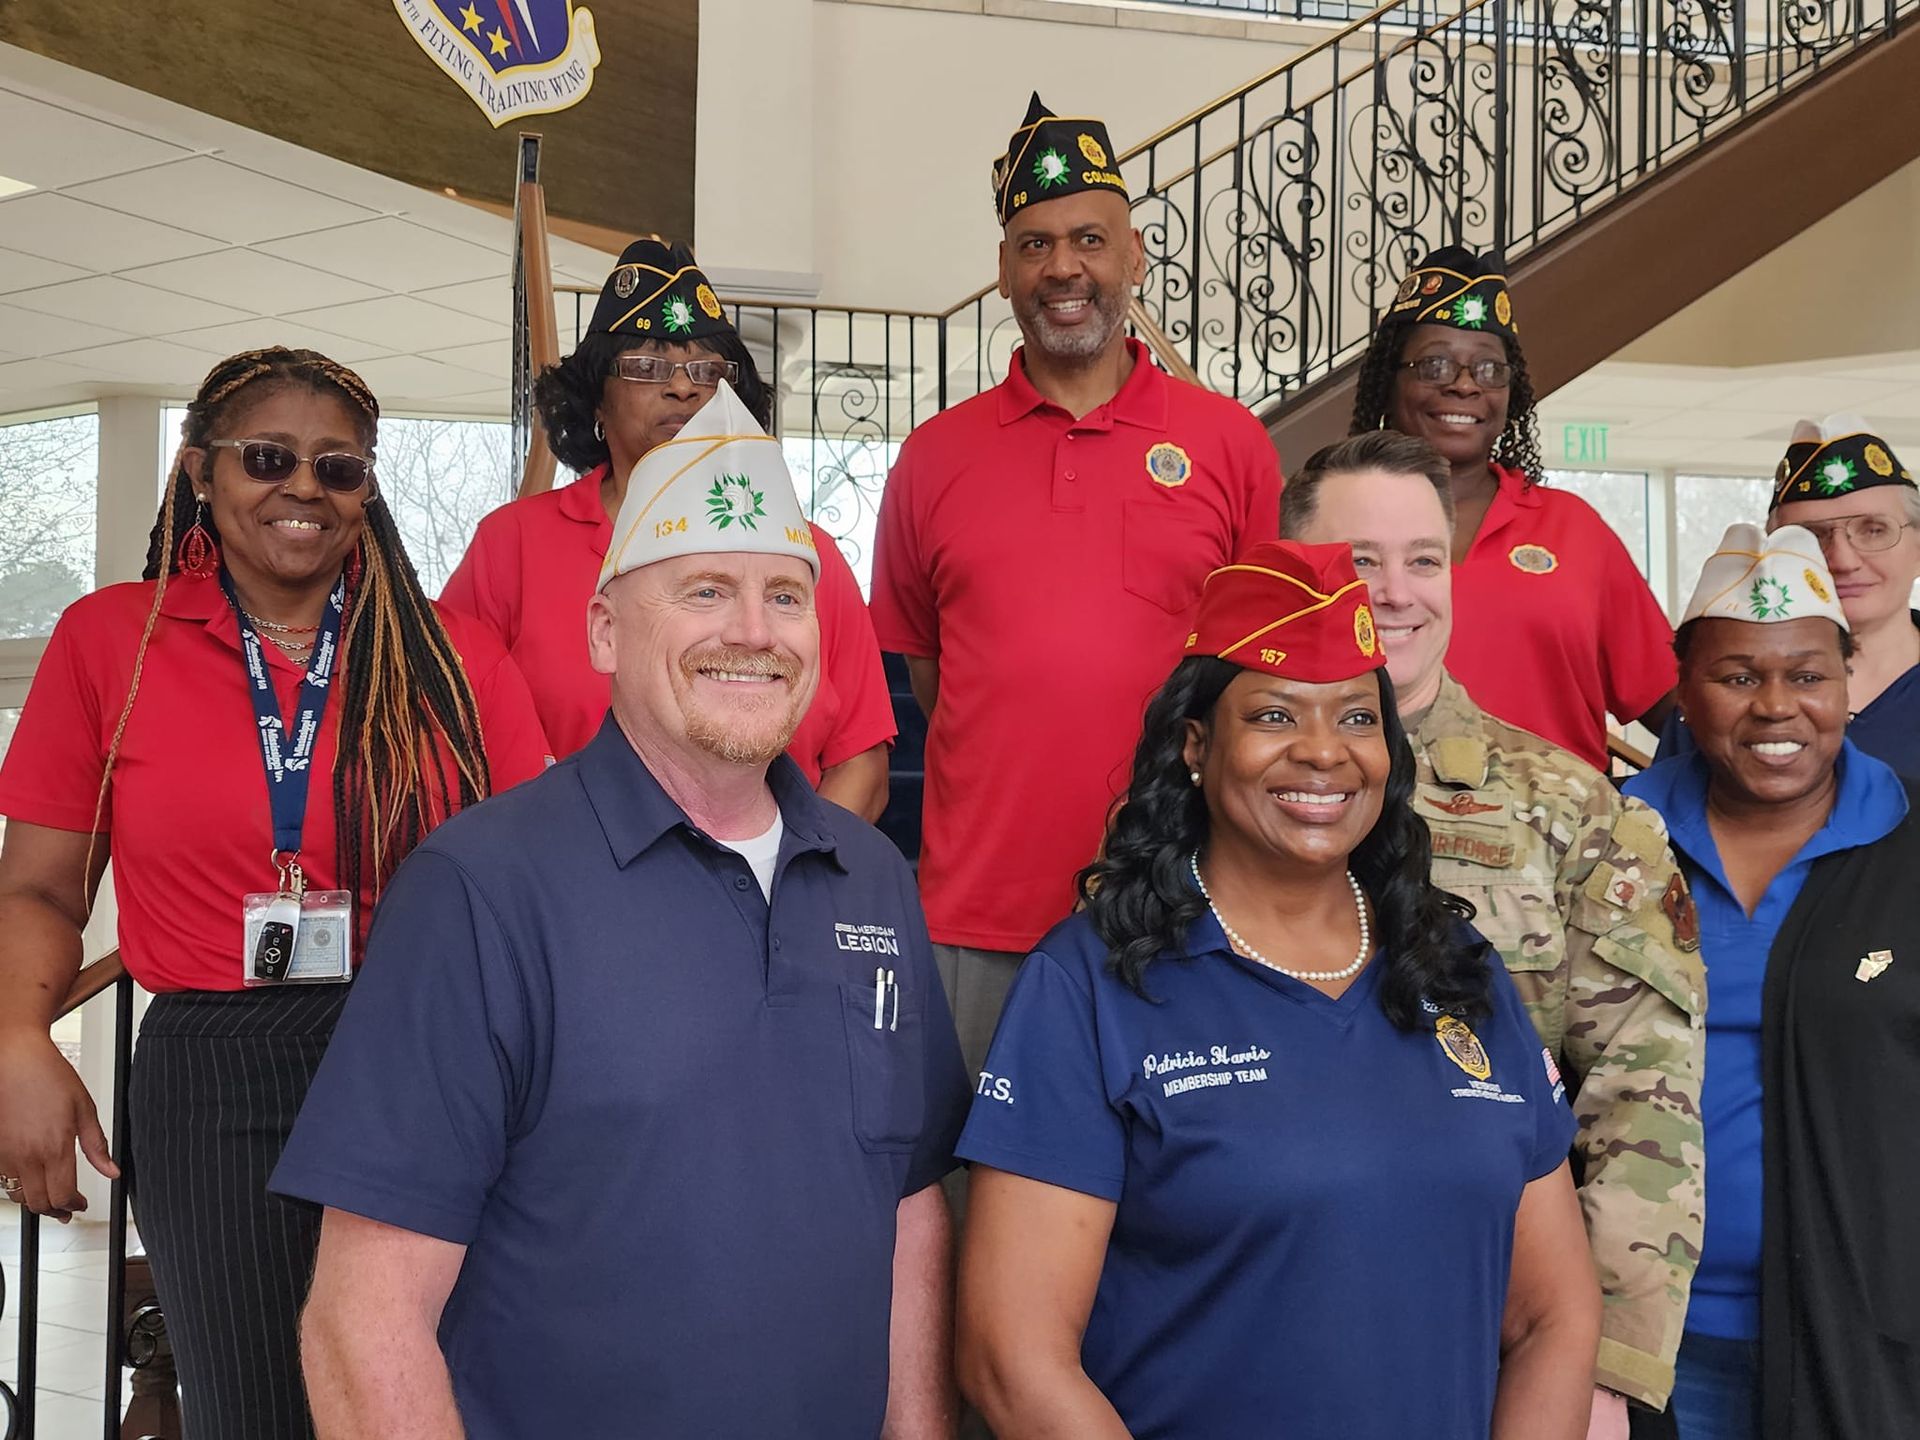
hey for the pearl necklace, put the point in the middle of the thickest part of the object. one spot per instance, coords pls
(1310, 976)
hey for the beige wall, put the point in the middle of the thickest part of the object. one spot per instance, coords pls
(853, 140)
(1849, 285)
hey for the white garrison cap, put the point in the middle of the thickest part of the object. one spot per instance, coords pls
(721, 485)
(1765, 578)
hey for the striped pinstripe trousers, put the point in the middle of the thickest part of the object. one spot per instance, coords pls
(217, 1080)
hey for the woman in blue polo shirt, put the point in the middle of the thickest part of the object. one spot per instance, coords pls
(1800, 851)
(1237, 1171)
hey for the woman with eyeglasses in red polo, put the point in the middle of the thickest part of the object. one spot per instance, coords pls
(256, 734)
(1554, 628)
(657, 345)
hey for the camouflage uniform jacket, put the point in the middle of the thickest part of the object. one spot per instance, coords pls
(1579, 892)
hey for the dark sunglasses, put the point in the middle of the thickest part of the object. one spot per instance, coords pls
(272, 463)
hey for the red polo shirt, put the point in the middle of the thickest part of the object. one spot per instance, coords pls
(1053, 566)
(187, 813)
(534, 564)
(1553, 627)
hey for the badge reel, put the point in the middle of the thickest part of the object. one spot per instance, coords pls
(297, 936)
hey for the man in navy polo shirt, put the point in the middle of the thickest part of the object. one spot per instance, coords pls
(634, 1122)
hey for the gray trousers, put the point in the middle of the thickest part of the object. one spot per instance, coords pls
(976, 982)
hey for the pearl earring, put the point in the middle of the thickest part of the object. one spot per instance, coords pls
(1194, 776)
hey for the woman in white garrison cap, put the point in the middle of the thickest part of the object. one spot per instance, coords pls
(1800, 851)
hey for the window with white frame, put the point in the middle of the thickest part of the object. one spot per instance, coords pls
(1621, 499)
(49, 474)
(1703, 507)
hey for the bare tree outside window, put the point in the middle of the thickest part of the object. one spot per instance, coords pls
(440, 477)
(49, 475)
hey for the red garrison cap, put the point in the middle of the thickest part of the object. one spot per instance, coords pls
(1293, 610)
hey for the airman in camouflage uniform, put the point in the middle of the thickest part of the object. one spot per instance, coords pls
(1577, 889)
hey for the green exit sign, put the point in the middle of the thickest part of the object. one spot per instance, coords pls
(1583, 444)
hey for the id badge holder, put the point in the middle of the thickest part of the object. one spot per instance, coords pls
(296, 936)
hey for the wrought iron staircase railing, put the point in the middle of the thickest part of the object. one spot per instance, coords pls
(1279, 217)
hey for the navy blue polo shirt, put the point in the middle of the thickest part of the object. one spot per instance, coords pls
(1315, 1210)
(670, 1123)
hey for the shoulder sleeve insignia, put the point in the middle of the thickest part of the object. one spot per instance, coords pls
(1677, 902)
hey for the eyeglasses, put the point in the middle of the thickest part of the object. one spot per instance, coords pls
(1444, 370)
(1864, 532)
(658, 369)
(272, 463)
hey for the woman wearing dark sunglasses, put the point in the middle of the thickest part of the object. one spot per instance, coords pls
(1553, 627)
(658, 344)
(256, 733)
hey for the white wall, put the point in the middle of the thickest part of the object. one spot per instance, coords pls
(857, 145)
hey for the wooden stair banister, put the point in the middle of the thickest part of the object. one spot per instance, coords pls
(102, 975)
(536, 271)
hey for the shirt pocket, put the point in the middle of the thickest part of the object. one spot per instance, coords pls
(889, 1081)
(1167, 551)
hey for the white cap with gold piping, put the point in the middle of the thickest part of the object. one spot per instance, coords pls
(1766, 578)
(720, 485)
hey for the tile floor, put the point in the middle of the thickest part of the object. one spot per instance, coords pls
(73, 1309)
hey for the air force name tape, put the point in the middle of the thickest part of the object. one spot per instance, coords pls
(720, 486)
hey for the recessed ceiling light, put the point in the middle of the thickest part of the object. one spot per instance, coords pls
(9, 187)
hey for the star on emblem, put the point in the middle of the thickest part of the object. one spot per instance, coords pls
(470, 20)
(733, 498)
(1769, 599)
(497, 42)
(678, 315)
(1837, 475)
(1050, 169)
(1470, 311)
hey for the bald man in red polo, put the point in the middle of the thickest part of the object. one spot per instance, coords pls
(1040, 558)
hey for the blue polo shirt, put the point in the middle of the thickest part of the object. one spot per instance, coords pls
(1869, 802)
(1314, 1209)
(670, 1122)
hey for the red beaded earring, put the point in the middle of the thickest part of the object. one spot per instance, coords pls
(197, 554)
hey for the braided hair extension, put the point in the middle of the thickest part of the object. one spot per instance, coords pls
(1518, 447)
(568, 394)
(405, 688)
(1140, 899)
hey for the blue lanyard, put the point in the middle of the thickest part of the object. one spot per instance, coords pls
(289, 769)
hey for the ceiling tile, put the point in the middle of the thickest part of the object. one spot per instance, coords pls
(57, 227)
(37, 375)
(1714, 424)
(493, 359)
(263, 284)
(24, 272)
(145, 362)
(401, 378)
(400, 322)
(393, 254)
(31, 333)
(215, 197)
(49, 145)
(487, 299)
(1814, 396)
(122, 305)
(258, 334)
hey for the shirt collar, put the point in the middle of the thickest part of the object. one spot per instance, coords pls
(635, 811)
(1452, 737)
(1141, 401)
(1514, 498)
(1869, 805)
(200, 599)
(581, 501)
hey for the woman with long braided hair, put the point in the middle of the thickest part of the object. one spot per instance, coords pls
(181, 725)
(1554, 628)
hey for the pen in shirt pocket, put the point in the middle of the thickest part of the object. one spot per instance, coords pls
(879, 995)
